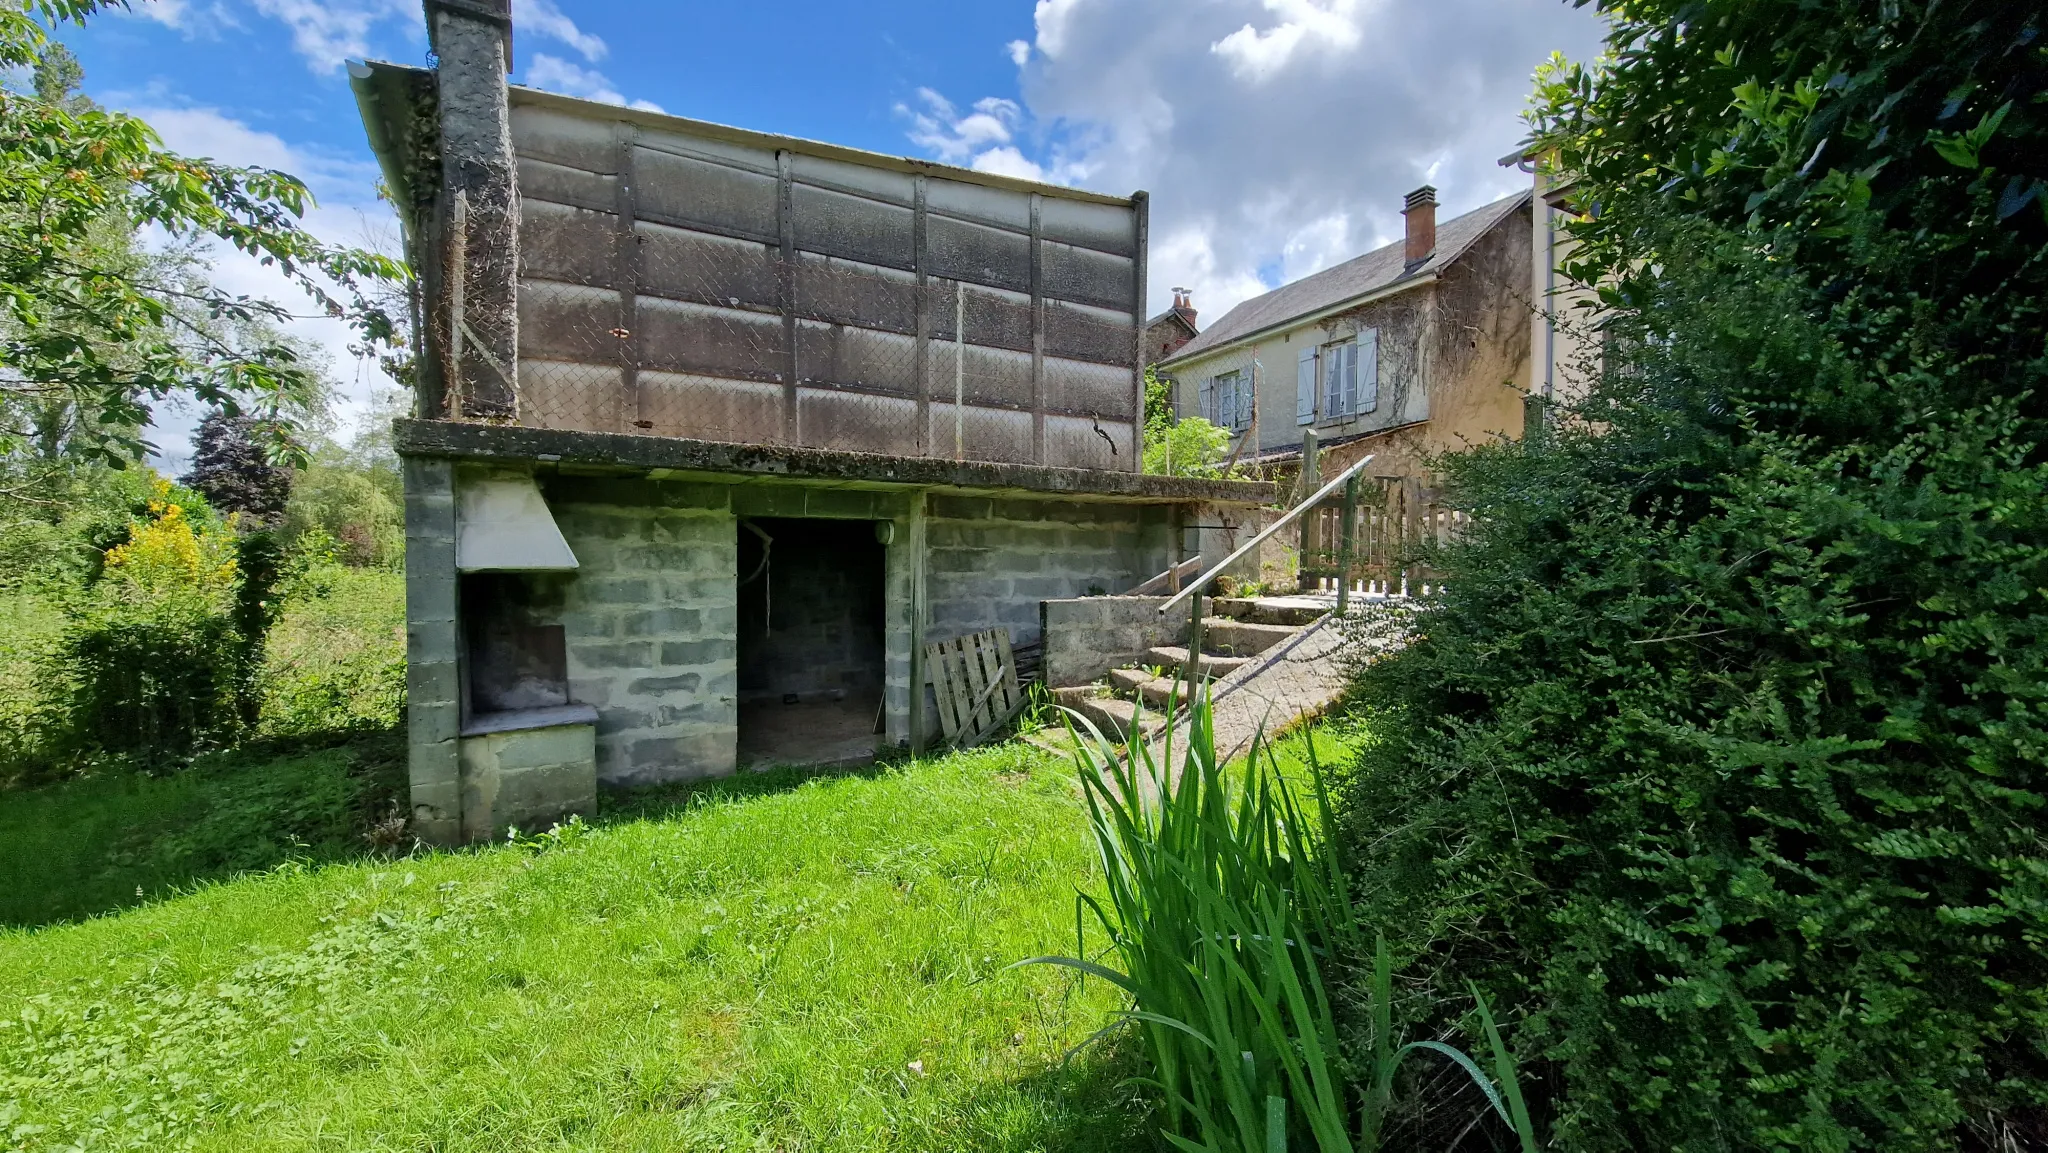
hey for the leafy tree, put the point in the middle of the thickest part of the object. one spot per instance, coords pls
(1188, 446)
(1723, 750)
(230, 470)
(87, 329)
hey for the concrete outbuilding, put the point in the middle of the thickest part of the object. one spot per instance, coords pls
(716, 430)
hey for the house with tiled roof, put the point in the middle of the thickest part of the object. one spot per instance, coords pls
(1412, 349)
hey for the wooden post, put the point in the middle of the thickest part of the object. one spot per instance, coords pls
(1176, 541)
(1310, 481)
(1344, 548)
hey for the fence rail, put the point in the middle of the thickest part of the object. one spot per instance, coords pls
(1394, 521)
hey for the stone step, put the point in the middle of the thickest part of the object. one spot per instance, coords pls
(1127, 682)
(1139, 684)
(1113, 715)
(1290, 611)
(1176, 657)
(1241, 638)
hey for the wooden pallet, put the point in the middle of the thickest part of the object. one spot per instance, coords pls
(974, 679)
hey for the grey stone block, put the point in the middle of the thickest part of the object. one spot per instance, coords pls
(428, 682)
(660, 622)
(666, 558)
(617, 655)
(430, 641)
(681, 495)
(432, 771)
(590, 624)
(847, 503)
(961, 507)
(587, 690)
(696, 652)
(620, 720)
(768, 500)
(680, 683)
(617, 592)
(432, 721)
(700, 591)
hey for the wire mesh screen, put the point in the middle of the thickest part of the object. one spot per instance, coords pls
(729, 293)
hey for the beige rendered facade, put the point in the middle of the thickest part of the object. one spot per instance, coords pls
(1415, 349)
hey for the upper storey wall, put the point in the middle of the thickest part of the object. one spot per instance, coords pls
(688, 280)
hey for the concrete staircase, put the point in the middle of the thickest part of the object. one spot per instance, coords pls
(1241, 630)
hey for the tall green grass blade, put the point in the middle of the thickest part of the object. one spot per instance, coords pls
(1504, 1069)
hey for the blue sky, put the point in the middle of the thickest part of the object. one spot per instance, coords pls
(1276, 136)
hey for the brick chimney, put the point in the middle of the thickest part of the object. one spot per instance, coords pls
(1184, 304)
(1420, 209)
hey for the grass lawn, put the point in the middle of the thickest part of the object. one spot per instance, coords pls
(774, 963)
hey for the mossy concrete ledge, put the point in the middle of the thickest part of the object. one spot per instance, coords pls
(528, 779)
(682, 459)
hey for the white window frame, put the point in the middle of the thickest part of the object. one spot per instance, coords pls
(1339, 360)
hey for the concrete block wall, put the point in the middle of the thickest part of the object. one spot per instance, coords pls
(992, 560)
(650, 618)
(650, 621)
(529, 779)
(433, 678)
(1088, 636)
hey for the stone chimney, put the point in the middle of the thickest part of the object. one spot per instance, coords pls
(1184, 304)
(1420, 209)
(474, 320)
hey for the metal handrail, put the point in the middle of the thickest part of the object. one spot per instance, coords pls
(1286, 519)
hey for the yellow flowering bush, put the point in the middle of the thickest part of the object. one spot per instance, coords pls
(171, 551)
(154, 663)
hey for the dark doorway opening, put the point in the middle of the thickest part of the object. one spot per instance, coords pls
(811, 649)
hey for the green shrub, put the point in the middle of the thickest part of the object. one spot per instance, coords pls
(336, 656)
(30, 717)
(153, 677)
(344, 501)
(1721, 757)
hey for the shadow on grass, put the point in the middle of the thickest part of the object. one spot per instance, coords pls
(1082, 1105)
(659, 802)
(114, 839)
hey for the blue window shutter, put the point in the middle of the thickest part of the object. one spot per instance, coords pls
(1205, 399)
(1305, 386)
(1246, 398)
(1368, 369)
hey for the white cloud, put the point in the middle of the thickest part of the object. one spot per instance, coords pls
(543, 18)
(328, 32)
(1008, 161)
(940, 128)
(1276, 136)
(346, 212)
(1258, 55)
(572, 79)
(1019, 51)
